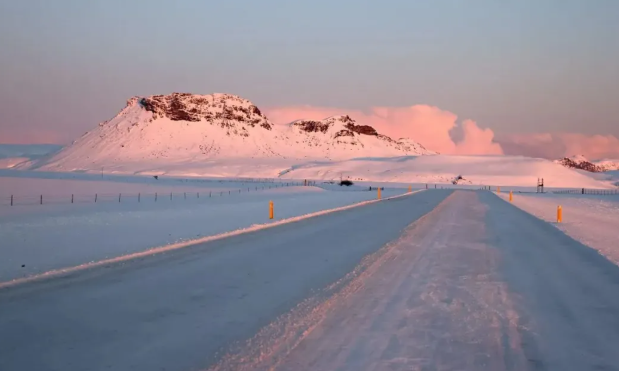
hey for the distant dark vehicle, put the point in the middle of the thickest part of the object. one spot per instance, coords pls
(346, 183)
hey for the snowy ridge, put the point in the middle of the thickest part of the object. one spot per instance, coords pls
(608, 165)
(340, 137)
(180, 128)
(582, 163)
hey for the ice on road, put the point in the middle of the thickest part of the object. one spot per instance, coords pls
(437, 280)
(175, 311)
(475, 285)
(432, 301)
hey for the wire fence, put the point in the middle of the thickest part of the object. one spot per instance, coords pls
(132, 197)
(585, 191)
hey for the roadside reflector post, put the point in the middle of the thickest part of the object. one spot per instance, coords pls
(270, 209)
(498, 189)
(378, 193)
(559, 214)
(410, 189)
(511, 196)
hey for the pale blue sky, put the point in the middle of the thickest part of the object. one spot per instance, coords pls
(513, 66)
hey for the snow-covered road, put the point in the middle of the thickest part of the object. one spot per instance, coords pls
(432, 301)
(473, 283)
(174, 311)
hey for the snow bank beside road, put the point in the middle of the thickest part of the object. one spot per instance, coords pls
(592, 220)
(63, 237)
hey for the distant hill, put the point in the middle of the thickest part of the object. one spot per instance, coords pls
(163, 130)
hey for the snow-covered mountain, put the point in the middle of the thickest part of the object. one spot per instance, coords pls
(582, 163)
(608, 164)
(339, 137)
(191, 129)
(579, 162)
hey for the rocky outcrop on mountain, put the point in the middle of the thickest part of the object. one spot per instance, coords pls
(580, 162)
(341, 134)
(225, 108)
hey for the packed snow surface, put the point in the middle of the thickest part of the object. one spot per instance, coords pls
(435, 280)
(175, 311)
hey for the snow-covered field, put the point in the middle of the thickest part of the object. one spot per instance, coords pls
(40, 238)
(515, 171)
(592, 220)
(442, 169)
(26, 187)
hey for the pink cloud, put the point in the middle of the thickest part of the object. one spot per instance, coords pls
(557, 145)
(428, 125)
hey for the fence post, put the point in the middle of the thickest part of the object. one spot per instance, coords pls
(11, 200)
(155, 196)
(209, 193)
(139, 196)
(71, 198)
(119, 196)
(41, 199)
(185, 195)
(96, 197)
(197, 194)
(221, 193)
(170, 195)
